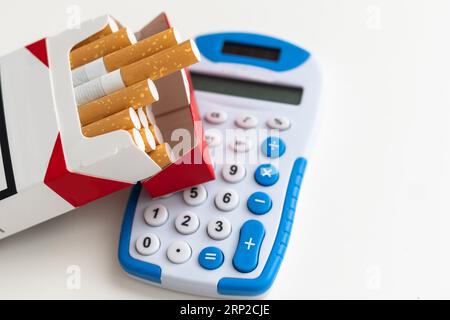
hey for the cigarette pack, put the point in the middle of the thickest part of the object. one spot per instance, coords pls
(48, 167)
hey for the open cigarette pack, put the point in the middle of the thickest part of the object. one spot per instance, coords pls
(92, 111)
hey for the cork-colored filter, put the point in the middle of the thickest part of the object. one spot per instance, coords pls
(101, 47)
(161, 64)
(124, 120)
(162, 156)
(141, 50)
(139, 95)
(109, 29)
(157, 134)
(148, 139)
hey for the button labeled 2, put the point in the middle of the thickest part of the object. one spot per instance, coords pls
(251, 238)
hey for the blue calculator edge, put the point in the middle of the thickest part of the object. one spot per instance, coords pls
(293, 57)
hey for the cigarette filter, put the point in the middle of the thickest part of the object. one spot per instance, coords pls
(150, 116)
(125, 56)
(101, 47)
(162, 64)
(137, 138)
(157, 134)
(148, 139)
(124, 120)
(147, 118)
(110, 28)
(155, 67)
(163, 155)
(136, 96)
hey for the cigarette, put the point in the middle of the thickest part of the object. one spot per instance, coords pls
(157, 134)
(124, 120)
(101, 47)
(110, 28)
(163, 155)
(125, 56)
(137, 138)
(136, 96)
(146, 116)
(148, 139)
(155, 67)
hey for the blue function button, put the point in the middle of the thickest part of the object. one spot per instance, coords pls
(267, 175)
(211, 258)
(274, 147)
(246, 257)
(259, 203)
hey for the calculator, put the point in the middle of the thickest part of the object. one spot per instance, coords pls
(259, 100)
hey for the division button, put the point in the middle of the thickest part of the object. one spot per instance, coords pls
(156, 215)
(246, 257)
(259, 203)
(274, 147)
(187, 223)
(219, 229)
(179, 252)
(211, 258)
(267, 175)
(147, 244)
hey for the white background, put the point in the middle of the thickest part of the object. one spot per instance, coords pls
(374, 215)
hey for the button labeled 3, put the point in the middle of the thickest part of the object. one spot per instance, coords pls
(219, 229)
(246, 257)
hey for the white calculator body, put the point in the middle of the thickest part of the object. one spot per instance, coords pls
(258, 97)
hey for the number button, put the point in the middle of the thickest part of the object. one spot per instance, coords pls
(267, 175)
(242, 144)
(234, 173)
(274, 147)
(259, 203)
(216, 117)
(187, 223)
(246, 122)
(179, 252)
(213, 138)
(279, 123)
(195, 196)
(227, 200)
(211, 258)
(219, 229)
(147, 244)
(156, 215)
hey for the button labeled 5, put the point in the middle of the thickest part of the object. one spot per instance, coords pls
(195, 196)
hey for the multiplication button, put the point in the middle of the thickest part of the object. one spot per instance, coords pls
(195, 196)
(187, 223)
(147, 244)
(227, 200)
(219, 229)
(234, 173)
(179, 252)
(156, 215)
(267, 175)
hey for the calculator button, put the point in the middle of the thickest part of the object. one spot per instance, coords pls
(156, 215)
(147, 244)
(274, 147)
(259, 203)
(213, 138)
(179, 252)
(216, 117)
(234, 173)
(219, 229)
(279, 123)
(241, 144)
(246, 122)
(267, 175)
(195, 196)
(211, 258)
(246, 257)
(187, 223)
(227, 200)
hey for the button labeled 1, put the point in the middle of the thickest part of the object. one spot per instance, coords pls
(246, 257)
(156, 215)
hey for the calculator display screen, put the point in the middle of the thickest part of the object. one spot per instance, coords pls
(247, 89)
(252, 51)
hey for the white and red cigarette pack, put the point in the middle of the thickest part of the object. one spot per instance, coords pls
(47, 166)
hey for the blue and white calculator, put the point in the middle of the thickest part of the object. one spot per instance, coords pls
(258, 97)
